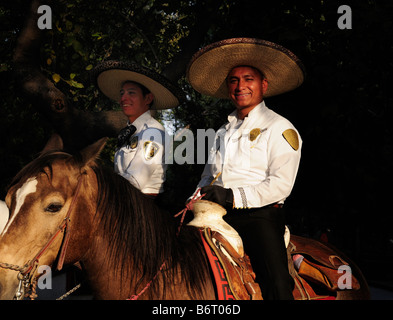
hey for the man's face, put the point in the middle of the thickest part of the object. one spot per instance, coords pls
(246, 87)
(133, 102)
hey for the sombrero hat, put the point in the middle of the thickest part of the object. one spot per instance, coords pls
(110, 75)
(209, 67)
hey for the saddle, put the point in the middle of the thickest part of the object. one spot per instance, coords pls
(318, 274)
(313, 265)
(234, 275)
(231, 267)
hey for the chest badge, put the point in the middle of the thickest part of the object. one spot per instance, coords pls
(254, 133)
(134, 142)
(150, 149)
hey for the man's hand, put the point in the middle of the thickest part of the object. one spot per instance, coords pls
(220, 195)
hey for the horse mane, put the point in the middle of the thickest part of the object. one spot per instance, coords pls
(138, 229)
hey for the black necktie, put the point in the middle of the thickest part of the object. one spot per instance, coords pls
(125, 134)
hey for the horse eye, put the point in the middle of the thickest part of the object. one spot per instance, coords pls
(54, 207)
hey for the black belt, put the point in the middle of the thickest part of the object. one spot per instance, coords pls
(275, 205)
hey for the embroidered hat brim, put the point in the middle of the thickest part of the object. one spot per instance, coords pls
(209, 67)
(110, 75)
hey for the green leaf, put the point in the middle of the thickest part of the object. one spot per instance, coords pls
(75, 84)
(56, 77)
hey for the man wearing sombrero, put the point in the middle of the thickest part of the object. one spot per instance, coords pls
(255, 158)
(140, 154)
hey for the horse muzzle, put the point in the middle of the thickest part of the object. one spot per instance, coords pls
(8, 284)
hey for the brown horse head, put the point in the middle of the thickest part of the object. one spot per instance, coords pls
(39, 199)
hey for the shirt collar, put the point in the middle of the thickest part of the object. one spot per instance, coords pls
(141, 120)
(260, 108)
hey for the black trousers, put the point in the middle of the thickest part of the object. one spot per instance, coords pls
(262, 231)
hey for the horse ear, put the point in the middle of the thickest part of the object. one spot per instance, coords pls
(55, 142)
(91, 152)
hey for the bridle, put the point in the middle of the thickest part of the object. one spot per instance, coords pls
(26, 273)
(25, 276)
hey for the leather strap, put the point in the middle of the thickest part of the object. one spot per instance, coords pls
(67, 226)
(63, 227)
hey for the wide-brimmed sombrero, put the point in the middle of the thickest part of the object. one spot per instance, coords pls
(209, 67)
(110, 75)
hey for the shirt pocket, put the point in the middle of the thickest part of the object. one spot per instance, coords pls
(126, 156)
(257, 142)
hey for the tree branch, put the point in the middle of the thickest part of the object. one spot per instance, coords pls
(76, 127)
(204, 15)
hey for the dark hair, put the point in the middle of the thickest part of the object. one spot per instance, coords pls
(145, 91)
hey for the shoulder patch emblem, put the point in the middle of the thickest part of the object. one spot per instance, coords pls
(292, 138)
(150, 149)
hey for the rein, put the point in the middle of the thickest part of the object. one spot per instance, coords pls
(26, 272)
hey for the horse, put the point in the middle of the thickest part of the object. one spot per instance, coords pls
(68, 208)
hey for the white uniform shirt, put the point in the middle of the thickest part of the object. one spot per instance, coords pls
(258, 158)
(142, 161)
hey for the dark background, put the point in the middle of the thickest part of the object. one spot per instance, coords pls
(343, 110)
